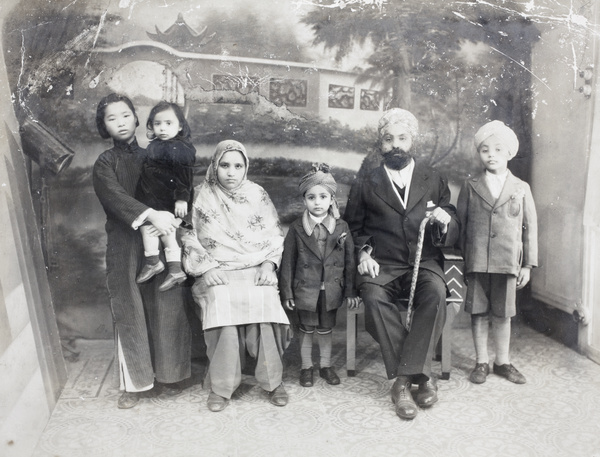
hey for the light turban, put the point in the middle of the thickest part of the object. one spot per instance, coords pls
(502, 132)
(399, 116)
(320, 176)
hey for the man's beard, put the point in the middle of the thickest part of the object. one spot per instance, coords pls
(397, 159)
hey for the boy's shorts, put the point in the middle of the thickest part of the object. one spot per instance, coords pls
(491, 292)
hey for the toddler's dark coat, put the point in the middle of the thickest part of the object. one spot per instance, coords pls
(303, 267)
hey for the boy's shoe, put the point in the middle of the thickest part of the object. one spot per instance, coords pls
(149, 271)
(509, 372)
(329, 375)
(306, 377)
(128, 400)
(172, 280)
(479, 373)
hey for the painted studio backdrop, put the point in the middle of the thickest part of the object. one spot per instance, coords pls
(296, 82)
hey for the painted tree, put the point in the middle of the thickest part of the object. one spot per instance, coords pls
(435, 58)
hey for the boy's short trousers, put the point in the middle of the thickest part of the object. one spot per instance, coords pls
(491, 291)
(321, 318)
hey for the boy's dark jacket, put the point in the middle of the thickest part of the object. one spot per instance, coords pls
(302, 267)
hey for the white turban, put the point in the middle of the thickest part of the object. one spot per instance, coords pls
(502, 132)
(399, 116)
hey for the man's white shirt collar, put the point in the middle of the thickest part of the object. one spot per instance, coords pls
(402, 178)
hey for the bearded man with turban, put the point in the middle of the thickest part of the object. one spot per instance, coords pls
(384, 211)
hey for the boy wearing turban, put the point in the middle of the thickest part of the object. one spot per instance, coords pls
(317, 270)
(499, 244)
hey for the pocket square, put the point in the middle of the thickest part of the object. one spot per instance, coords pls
(430, 204)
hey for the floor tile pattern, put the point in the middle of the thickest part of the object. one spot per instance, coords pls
(557, 413)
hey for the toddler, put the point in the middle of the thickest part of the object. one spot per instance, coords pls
(166, 184)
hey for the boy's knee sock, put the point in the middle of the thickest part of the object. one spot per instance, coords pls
(325, 346)
(501, 331)
(306, 344)
(480, 325)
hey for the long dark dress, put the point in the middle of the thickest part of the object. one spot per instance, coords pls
(152, 326)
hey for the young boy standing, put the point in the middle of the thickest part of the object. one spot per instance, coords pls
(317, 270)
(499, 244)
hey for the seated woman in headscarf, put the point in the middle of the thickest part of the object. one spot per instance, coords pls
(233, 252)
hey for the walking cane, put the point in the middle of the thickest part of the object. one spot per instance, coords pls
(413, 283)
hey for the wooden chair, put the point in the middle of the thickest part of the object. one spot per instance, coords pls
(453, 270)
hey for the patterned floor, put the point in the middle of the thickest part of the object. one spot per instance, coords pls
(557, 413)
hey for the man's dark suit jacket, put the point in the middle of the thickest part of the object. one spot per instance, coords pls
(377, 219)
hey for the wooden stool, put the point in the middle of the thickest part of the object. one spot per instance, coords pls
(453, 265)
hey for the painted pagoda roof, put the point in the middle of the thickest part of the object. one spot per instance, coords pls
(181, 36)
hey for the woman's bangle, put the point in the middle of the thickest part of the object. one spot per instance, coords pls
(272, 263)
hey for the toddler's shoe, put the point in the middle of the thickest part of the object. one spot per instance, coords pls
(172, 280)
(509, 372)
(479, 373)
(149, 271)
(306, 377)
(329, 375)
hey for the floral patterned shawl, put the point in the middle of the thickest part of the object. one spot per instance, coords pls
(233, 229)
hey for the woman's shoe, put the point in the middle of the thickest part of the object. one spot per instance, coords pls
(168, 389)
(279, 396)
(215, 402)
(128, 400)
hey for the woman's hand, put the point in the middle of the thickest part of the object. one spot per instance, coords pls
(265, 276)
(181, 208)
(163, 222)
(215, 277)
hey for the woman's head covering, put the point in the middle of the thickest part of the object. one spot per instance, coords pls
(502, 132)
(222, 148)
(319, 175)
(234, 228)
(399, 116)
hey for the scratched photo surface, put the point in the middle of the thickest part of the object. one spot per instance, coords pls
(297, 82)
